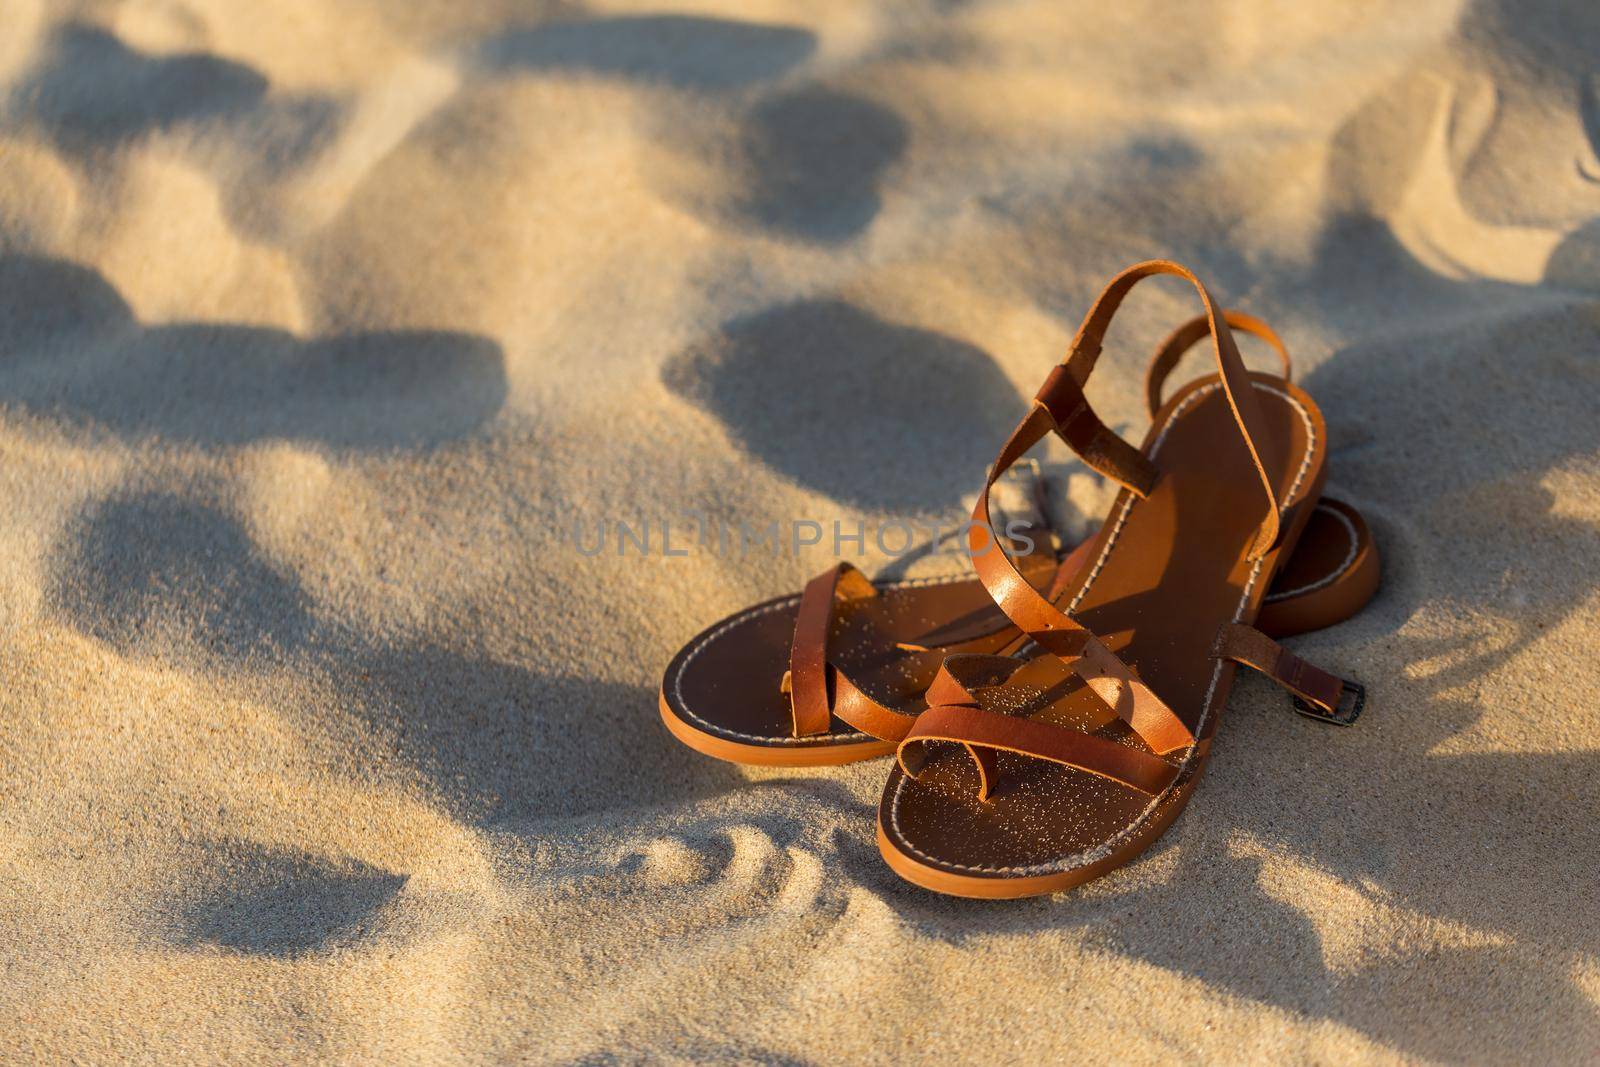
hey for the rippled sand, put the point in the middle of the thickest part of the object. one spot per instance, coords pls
(322, 324)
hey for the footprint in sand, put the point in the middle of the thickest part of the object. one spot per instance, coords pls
(160, 575)
(808, 161)
(815, 160)
(159, 568)
(131, 93)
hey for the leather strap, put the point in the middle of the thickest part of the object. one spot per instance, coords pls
(807, 680)
(1235, 379)
(858, 709)
(817, 689)
(961, 676)
(1185, 337)
(1098, 446)
(981, 730)
(1250, 647)
(956, 684)
(1053, 629)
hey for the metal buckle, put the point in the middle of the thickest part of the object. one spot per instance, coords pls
(1339, 716)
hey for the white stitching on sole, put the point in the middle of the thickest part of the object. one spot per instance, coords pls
(1105, 848)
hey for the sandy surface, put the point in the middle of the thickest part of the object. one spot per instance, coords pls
(322, 323)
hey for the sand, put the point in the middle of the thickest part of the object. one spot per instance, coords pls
(322, 324)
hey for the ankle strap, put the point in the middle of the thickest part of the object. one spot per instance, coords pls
(1062, 395)
(1185, 337)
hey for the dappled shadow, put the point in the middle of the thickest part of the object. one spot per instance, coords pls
(863, 410)
(130, 94)
(270, 902)
(147, 570)
(71, 348)
(681, 50)
(158, 575)
(511, 746)
(814, 160)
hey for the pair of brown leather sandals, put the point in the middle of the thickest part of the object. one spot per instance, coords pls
(1051, 716)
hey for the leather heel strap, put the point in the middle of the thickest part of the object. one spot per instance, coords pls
(1235, 379)
(1185, 337)
(1318, 694)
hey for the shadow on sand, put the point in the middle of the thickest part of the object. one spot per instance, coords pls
(154, 573)
(850, 405)
(74, 351)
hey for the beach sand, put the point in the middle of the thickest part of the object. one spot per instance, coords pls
(324, 326)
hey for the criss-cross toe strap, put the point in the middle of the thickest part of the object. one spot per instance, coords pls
(959, 679)
(983, 731)
(818, 690)
(955, 715)
(1185, 337)
(1054, 630)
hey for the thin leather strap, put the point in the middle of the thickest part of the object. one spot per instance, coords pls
(959, 679)
(961, 676)
(1250, 647)
(982, 730)
(1094, 442)
(856, 707)
(1235, 380)
(1185, 337)
(809, 706)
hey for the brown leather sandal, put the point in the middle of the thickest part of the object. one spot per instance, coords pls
(838, 673)
(1027, 776)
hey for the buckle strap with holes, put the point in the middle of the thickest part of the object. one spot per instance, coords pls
(1317, 694)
